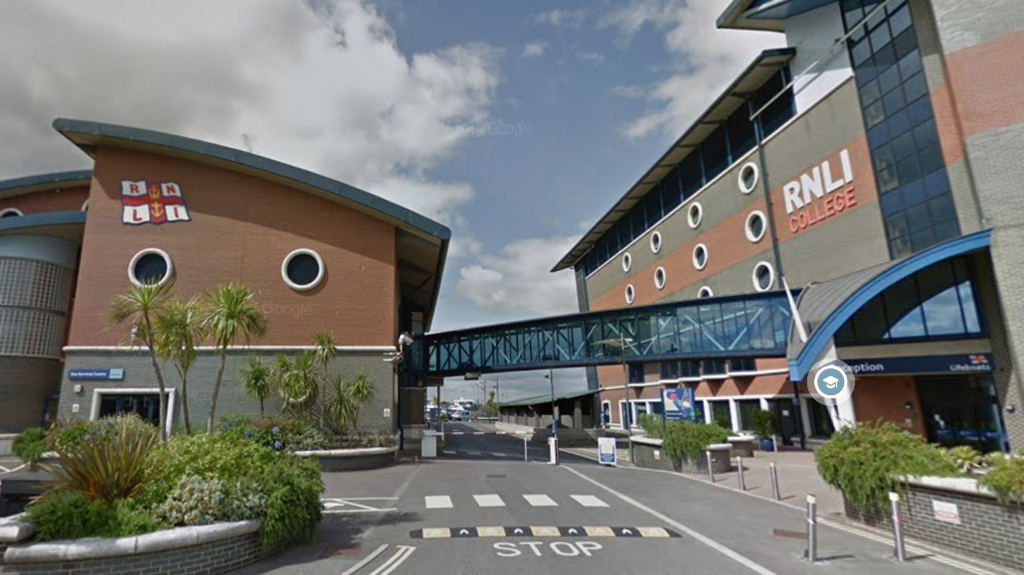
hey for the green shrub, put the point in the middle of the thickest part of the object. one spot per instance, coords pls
(864, 463)
(71, 515)
(198, 501)
(966, 458)
(687, 440)
(30, 444)
(653, 425)
(763, 423)
(110, 461)
(292, 486)
(67, 435)
(1005, 478)
(132, 519)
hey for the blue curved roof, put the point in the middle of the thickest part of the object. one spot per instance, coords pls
(43, 220)
(28, 184)
(828, 306)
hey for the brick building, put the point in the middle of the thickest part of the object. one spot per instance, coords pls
(874, 164)
(318, 254)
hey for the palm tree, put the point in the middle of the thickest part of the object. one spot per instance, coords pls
(229, 314)
(360, 393)
(141, 306)
(178, 331)
(257, 379)
(325, 351)
(301, 383)
(340, 408)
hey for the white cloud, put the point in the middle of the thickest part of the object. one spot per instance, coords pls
(561, 18)
(535, 49)
(322, 86)
(708, 59)
(518, 282)
(594, 58)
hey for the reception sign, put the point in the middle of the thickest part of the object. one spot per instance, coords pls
(678, 403)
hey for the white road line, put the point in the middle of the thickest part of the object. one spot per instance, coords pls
(438, 502)
(496, 454)
(474, 453)
(540, 500)
(489, 501)
(749, 564)
(449, 452)
(589, 501)
(366, 560)
(404, 551)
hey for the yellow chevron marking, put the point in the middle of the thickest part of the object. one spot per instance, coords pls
(653, 532)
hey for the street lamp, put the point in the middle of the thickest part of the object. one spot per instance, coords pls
(621, 344)
(554, 416)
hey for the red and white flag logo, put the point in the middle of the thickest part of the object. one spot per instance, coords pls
(152, 203)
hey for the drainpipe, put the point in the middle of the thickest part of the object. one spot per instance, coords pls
(756, 119)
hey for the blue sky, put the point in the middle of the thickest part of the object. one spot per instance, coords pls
(515, 123)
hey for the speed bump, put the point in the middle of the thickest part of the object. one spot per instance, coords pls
(542, 531)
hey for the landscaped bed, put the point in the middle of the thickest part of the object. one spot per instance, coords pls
(114, 480)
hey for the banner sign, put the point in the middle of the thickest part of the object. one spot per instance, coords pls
(966, 363)
(152, 203)
(96, 374)
(606, 452)
(678, 403)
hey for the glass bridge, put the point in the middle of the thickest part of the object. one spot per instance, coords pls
(752, 325)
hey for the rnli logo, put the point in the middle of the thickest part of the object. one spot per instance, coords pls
(151, 203)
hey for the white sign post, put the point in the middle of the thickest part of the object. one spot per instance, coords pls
(606, 451)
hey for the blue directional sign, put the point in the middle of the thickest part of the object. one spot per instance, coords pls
(96, 374)
(678, 404)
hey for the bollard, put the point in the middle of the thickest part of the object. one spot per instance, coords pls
(897, 528)
(526, 450)
(812, 528)
(739, 474)
(775, 481)
(711, 471)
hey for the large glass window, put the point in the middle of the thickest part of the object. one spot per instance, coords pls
(721, 414)
(915, 195)
(936, 303)
(636, 373)
(746, 409)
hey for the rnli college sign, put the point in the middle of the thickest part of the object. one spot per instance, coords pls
(827, 182)
(152, 203)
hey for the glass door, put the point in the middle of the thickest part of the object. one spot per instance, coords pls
(962, 410)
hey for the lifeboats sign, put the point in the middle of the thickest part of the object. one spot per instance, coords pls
(831, 184)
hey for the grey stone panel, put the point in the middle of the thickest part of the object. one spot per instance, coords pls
(928, 42)
(1000, 283)
(24, 384)
(963, 198)
(644, 455)
(847, 243)
(232, 399)
(995, 158)
(965, 24)
(734, 280)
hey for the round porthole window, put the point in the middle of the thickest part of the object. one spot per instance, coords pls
(764, 276)
(694, 214)
(627, 262)
(630, 294)
(150, 266)
(755, 226)
(700, 256)
(656, 242)
(705, 292)
(660, 278)
(302, 269)
(748, 178)
(10, 213)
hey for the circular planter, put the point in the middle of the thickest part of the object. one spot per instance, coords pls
(359, 459)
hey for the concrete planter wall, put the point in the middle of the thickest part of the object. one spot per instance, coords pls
(956, 513)
(743, 446)
(333, 460)
(216, 548)
(648, 453)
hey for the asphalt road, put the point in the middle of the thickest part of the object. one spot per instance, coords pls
(481, 509)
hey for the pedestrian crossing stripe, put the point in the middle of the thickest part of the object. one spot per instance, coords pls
(541, 531)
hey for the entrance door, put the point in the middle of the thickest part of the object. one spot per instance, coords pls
(145, 405)
(962, 410)
(785, 418)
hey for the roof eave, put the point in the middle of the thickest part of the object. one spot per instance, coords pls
(43, 182)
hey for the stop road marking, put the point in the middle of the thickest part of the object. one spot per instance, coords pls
(561, 548)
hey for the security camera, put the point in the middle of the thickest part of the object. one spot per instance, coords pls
(404, 340)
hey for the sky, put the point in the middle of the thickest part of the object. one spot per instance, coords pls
(516, 124)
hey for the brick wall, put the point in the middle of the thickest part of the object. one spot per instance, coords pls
(58, 200)
(210, 558)
(987, 530)
(232, 400)
(374, 461)
(643, 455)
